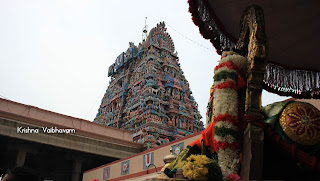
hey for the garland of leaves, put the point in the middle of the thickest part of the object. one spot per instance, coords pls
(227, 80)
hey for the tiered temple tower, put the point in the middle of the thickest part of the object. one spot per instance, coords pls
(148, 93)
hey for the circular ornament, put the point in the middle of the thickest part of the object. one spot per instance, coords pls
(301, 123)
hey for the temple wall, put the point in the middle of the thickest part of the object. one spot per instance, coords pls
(136, 165)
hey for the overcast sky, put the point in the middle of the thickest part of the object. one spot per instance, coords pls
(55, 54)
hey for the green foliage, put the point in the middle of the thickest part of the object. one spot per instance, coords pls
(214, 171)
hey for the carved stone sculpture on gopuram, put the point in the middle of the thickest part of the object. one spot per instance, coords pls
(148, 93)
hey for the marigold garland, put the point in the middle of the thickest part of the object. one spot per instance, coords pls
(226, 102)
(229, 64)
(201, 168)
(235, 59)
(224, 75)
(222, 134)
(226, 117)
(221, 131)
(224, 85)
(226, 124)
(241, 83)
(226, 138)
(223, 145)
(226, 113)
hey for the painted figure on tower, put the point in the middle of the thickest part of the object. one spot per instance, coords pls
(149, 94)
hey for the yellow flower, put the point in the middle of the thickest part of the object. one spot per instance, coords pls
(195, 167)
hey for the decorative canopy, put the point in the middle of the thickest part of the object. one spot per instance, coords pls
(292, 28)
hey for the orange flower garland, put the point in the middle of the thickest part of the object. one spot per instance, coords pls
(226, 120)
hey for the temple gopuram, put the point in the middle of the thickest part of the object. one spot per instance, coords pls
(148, 93)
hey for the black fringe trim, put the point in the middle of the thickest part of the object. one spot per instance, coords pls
(290, 82)
(285, 82)
(210, 26)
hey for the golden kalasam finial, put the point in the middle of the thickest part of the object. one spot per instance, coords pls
(167, 160)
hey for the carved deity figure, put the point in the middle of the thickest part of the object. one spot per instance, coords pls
(178, 95)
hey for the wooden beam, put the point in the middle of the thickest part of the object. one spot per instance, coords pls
(253, 44)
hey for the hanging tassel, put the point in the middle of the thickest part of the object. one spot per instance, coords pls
(295, 83)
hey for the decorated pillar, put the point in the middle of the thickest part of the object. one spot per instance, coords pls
(253, 43)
